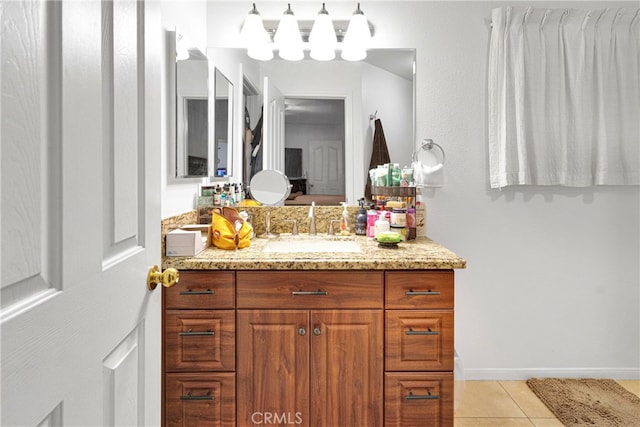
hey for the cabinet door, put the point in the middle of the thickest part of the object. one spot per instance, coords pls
(200, 400)
(419, 399)
(346, 368)
(273, 367)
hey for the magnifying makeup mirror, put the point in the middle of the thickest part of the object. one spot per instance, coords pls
(270, 188)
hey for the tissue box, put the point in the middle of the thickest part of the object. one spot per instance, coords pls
(186, 241)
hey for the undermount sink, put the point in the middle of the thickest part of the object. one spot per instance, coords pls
(311, 245)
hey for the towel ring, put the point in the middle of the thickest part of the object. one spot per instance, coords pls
(427, 144)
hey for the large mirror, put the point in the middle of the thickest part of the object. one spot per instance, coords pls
(329, 111)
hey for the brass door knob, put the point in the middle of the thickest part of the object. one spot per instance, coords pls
(168, 278)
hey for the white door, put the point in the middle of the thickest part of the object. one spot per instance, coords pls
(326, 167)
(79, 213)
(272, 127)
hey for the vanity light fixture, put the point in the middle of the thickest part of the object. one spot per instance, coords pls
(357, 38)
(256, 37)
(288, 38)
(323, 38)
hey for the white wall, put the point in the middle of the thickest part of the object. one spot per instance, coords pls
(552, 284)
(391, 106)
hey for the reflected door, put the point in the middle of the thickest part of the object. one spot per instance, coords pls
(273, 127)
(80, 130)
(326, 167)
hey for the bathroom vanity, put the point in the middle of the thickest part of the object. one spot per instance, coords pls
(359, 338)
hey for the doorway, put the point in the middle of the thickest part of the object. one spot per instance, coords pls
(315, 127)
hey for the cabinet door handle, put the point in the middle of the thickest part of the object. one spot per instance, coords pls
(318, 292)
(190, 292)
(190, 396)
(411, 293)
(428, 396)
(191, 333)
(302, 332)
(427, 332)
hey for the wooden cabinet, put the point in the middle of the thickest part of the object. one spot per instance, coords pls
(316, 360)
(309, 348)
(419, 348)
(199, 355)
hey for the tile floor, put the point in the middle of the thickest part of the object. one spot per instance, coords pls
(507, 404)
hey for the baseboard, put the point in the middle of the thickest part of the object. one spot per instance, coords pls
(523, 374)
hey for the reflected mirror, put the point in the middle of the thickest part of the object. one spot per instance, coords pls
(191, 110)
(223, 119)
(270, 187)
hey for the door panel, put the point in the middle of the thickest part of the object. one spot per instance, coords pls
(273, 126)
(346, 367)
(326, 168)
(80, 212)
(273, 372)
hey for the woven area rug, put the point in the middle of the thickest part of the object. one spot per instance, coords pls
(588, 402)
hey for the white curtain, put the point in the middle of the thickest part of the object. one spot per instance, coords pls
(564, 97)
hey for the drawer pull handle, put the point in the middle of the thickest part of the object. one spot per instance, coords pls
(190, 396)
(318, 292)
(190, 292)
(428, 396)
(411, 293)
(191, 333)
(427, 332)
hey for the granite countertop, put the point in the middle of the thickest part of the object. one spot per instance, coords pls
(421, 253)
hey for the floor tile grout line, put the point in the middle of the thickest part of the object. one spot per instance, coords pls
(515, 401)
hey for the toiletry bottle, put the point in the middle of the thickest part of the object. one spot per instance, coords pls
(361, 220)
(344, 221)
(372, 217)
(382, 224)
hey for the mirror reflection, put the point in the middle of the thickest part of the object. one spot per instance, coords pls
(324, 141)
(192, 112)
(269, 187)
(223, 119)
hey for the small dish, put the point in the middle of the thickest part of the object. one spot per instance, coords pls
(388, 245)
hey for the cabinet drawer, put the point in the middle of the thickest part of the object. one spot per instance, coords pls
(310, 289)
(418, 399)
(200, 400)
(201, 289)
(419, 289)
(200, 340)
(419, 340)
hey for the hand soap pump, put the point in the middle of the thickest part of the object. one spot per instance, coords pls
(344, 222)
(361, 220)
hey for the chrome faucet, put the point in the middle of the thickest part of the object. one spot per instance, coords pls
(312, 219)
(331, 232)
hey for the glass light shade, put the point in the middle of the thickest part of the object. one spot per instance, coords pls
(288, 38)
(253, 30)
(260, 52)
(353, 53)
(322, 39)
(358, 33)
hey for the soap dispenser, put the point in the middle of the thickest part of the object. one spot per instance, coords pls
(361, 220)
(344, 222)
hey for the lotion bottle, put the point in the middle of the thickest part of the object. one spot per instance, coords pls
(382, 224)
(344, 221)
